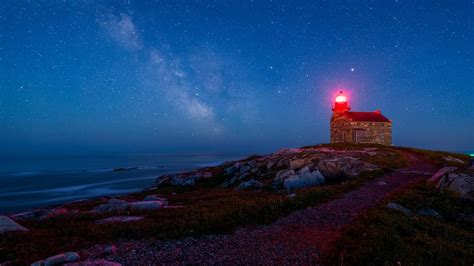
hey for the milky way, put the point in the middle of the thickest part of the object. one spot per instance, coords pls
(230, 76)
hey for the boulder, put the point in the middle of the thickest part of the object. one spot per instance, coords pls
(99, 262)
(297, 164)
(188, 179)
(343, 166)
(72, 256)
(231, 181)
(282, 175)
(284, 162)
(8, 225)
(244, 168)
(41, 214)
(146, 205)
(251, 184)
(441, 173)
(156, 198)
(270, 164)
(232, 169)
(119, 219)
(63, 258)
(304, 178)
(461, 183)
(400, 208)
(183, 179)
(429, 213)
(117, 201)
(38, 263)
(110, 249)
(111, 207)
(452, 159)
(55, 260)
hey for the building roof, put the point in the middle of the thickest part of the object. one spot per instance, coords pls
(366, 116)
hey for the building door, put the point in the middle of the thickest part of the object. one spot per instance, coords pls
(359, 135)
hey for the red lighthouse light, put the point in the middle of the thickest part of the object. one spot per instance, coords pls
(341, 99)
(341, 104)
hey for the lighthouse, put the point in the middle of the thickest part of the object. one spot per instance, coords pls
(358, 127)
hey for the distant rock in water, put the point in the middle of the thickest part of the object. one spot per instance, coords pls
(122, 169)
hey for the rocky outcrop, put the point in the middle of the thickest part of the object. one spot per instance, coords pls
(8, 225)
(320, 164)
(303, 178)
(150, 203)
(183, 179)
(251, 184)
(343, 166)
(460, 181)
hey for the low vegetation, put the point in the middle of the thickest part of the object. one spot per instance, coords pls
(207, 211)
(438, 158)
(389, 237)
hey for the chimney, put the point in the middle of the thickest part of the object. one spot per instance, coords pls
(377, 111)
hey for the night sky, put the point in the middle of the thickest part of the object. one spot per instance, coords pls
(230, 76)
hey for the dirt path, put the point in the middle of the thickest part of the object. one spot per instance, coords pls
(298, 238)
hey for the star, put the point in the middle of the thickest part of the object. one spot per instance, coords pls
(352, 69)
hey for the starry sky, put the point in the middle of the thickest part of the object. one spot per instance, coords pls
(230, 76)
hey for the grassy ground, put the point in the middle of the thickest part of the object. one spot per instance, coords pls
(388, 237)
(388, 157)
(437, 157)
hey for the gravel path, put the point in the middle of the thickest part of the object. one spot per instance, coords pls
(298, 238)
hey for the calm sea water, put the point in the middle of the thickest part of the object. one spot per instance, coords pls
(31, 182)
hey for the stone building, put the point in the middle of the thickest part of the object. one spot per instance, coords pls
(358, 127)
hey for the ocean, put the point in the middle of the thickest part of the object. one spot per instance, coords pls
(29, 182)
